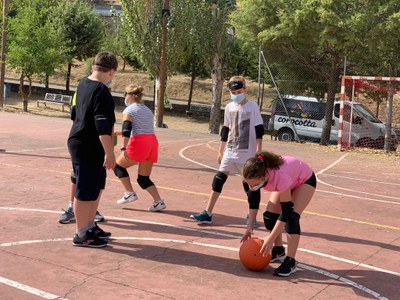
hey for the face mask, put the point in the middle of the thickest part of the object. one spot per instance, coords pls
(257, 187)
(108, 83)
(126, 103)
(238, 98)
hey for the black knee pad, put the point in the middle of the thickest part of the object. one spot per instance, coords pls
(120, 172)
(293, 224)
(144, 181)
(270, 219)
(73, 177)
(218, 182)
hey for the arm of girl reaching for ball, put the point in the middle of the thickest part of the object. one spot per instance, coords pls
(278, 228)
(250, 225)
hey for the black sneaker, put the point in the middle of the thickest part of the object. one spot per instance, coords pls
(90, 241)
(278, 253)
(100, 233)
(286, 268)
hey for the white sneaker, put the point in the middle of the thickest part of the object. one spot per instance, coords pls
(157, 206)
(128, 197)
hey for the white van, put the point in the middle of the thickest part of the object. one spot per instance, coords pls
(307, 120)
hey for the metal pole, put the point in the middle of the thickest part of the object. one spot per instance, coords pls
(163, 66)
(259, 76)
(3, 52)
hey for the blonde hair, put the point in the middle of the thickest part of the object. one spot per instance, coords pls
(237, 79)
(136, 91)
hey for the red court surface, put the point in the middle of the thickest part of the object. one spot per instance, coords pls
(350, 231)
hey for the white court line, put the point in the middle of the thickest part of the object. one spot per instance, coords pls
(319, 180)
(360, 179)
(193, 161)
(210, 232)
(355, 191)
(345, 189)
(29, 289)
(33, 150)
(357, 197)
(332, 164)
(303, 266)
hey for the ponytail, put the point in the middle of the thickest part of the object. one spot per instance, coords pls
(256, 167)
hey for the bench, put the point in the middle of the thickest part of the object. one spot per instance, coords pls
(64, 100)
(199, 110)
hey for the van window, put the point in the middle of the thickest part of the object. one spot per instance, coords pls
(301, 109)
(359, 111)
(366, 113)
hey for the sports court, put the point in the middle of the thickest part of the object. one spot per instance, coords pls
(349, 247)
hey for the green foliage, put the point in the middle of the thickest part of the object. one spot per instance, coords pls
(191, 36)
(306, 41)
(33, 45)
(80, 27)
(142, 20)
(241, 60)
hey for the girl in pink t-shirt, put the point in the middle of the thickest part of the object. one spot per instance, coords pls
(292, 183)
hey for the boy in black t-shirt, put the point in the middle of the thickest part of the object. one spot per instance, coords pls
(91, 148)
(68, 215)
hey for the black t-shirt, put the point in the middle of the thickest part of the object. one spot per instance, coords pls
(93, 100)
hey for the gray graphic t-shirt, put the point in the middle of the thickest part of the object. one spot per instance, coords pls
(241, 121)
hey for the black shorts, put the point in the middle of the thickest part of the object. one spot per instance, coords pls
(90, 180)
(312, 180)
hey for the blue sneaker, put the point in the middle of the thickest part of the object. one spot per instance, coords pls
(67, 216)
(255, 224)
(204, 217)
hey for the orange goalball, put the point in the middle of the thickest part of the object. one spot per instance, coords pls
(250, 257)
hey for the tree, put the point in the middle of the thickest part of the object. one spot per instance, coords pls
(34, 46)
(194, 41)
(220, 10)
(81, 29)
(312, 35)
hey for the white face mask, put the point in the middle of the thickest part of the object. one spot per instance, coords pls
(257, 187)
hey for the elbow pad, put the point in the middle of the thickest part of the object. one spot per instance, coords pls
(126, 128)
(287, 211)
(259, 131)
(102, 125)
(224, 133)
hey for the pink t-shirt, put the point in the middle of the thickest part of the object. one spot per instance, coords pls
(290, 175)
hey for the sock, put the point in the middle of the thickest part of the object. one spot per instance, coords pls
(70, 205)
(91, 225)
(81, 232)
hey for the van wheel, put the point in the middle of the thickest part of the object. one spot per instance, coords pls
(286, 135)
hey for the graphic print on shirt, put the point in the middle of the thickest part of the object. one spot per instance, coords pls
(239, 133)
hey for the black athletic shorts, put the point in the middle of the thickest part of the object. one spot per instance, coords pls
(312, 180)
(90, 180)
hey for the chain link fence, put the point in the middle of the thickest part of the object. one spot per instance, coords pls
(295, 98)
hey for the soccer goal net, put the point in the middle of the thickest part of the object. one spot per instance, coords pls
(358, 125)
